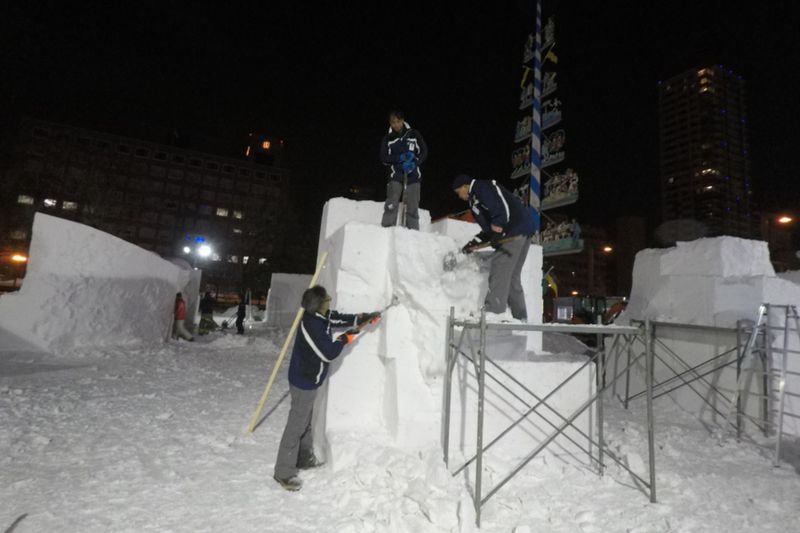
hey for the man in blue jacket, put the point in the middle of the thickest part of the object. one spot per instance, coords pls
(314, 350)
(403, 150)
(508, 225)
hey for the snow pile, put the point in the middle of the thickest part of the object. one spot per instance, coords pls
(283, 299)
(717, 283)
(153, 439)
(87, 288)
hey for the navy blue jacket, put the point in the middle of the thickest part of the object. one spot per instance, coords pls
(494, 204)
(396, 144)
(314, 348)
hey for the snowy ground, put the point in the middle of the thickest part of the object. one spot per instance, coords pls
(154, 440)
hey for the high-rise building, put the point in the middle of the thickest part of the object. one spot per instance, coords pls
(704, 162)
(163, 198)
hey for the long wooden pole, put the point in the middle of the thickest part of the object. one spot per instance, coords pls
(297, 317)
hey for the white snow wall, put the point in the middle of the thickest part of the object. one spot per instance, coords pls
(711, 282)
(84, 287)
(283, 299)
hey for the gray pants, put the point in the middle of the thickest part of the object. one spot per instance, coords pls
(411, 198)
(505, 287)
(297, 443)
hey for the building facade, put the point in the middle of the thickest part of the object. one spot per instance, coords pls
(704, 160)
(163, 198)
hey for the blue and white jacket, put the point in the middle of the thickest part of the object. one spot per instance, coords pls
(396, 144)
(492, 203)
(314, 348)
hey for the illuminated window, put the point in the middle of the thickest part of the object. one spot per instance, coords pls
(69, 206)
(238, 231)
(19, 234)
(215, 257)
(245, 259)
(262, 260)
(25, 199)
(265, 145)
(237, 214)
(222, 211)
(49, 202)
(701, 72)
(233, 259)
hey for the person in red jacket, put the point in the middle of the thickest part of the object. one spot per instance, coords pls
(180, 317)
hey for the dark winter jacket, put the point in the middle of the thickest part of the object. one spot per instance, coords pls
(314, 348)
(206, 305)
(494, 204)
(396, 144)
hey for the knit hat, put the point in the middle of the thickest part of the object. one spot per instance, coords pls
(461, 179)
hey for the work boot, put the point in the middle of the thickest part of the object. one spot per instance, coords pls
(292, 484)
(311, 462)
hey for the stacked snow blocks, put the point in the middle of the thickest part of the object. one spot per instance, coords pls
(710, 282)
(86, 288)
(389, 383)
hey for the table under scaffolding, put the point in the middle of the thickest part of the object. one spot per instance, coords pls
(615, 337)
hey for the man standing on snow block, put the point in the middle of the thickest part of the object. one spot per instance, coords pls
(314, 349)
(402, 150)
(508, 225)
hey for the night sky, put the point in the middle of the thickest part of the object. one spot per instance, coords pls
(323, 78)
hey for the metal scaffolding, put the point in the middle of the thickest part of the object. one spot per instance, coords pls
(620, 335)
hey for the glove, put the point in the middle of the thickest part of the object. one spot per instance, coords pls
(409, 166)
(495, 240)
(348, 336)
(368, 318)
(406, 156)
(470, 246)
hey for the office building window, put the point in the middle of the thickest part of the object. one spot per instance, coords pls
(24, 199)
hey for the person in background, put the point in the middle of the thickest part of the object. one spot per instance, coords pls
(403, 150)
(207, 323)
(508, 225)
(180, 317)
(314, 350)
(241, 313)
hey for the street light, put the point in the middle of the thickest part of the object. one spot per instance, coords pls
(19, 258)
(785, 219)
(204, 251)
(608, 249)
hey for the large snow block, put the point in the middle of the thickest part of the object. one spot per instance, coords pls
(718, 256)
(717, 283)
(459, 230)
(86, 288)
(283, 298)
(507, 402)
(339, 211)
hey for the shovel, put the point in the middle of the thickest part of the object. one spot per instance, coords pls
(451, 258)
